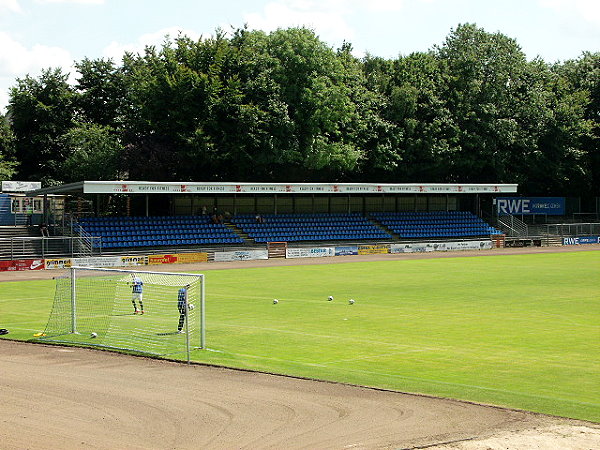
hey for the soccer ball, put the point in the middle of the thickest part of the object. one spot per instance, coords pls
(351, 302)
(275, 301)
(191, 306)
(93, 335)
(330, 298)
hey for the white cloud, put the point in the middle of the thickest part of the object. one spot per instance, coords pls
(587, 10)
(332, 20)
(3, 101)
(17, 61)
(326, 17)
(10, 6)
(115, 50)
(81, 2)
(388, 5)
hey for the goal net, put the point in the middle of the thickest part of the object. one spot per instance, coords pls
(155, 313)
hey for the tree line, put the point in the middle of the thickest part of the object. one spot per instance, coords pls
(284, 106)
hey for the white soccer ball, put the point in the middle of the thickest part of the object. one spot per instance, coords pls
(275, 301)
(93, 335)
(330, 298)
(191, 306)
(351, 301)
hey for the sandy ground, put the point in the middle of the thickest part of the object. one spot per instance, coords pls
(64, 398)
(67, 398)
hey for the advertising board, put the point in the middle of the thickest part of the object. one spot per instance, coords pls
(58, 263)
(21, 264)
(149, 187)
(554, 206)
(579, 240)
(137, 260)
(441, 246)
(241, 255)
(346, 250)
(420, 247)
(373, 249)
(316, 252)
(20, 186)
(178, 258)
(463, 245)
(97, 261)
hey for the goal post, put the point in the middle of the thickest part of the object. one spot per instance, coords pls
(158, 313)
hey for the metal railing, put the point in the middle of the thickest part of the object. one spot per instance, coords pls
(573, 229)
(512, 226)
(86, 243)
(42, 247)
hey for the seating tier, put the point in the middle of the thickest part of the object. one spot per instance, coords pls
(442, 224)
(309, 227)
(115, 232)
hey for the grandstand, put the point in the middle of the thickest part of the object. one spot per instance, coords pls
(159, 217)
(309, 227)
(127, 232)
(89, 218)
(435, 224)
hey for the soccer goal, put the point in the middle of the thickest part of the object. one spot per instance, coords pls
(156, 313)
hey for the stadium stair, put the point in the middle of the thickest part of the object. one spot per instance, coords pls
(384, 228)
(25, 242)
(240, 233)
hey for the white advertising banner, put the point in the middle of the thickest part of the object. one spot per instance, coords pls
(20, 186)
(148, 187)
(241, 255)
(316, 252)
(411, 248)
(441, 246)
(97, 261)
(466, 245)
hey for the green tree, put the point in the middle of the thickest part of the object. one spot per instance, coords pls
(484, 73)
(101, 92)
(7, 150)
(41, 112)
(166, 104)
(94, 153)
(317, 86)
(426, 131)
(583, 75)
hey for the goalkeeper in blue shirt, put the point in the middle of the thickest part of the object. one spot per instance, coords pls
(137, 289)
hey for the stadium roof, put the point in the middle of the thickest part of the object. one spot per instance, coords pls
(164, 187)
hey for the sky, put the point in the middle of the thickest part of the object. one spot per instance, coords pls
(42, 34)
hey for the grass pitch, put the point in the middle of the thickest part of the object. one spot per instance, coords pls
(521, 331)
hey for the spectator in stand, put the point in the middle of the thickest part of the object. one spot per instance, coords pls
(44, 229)
(29, 211)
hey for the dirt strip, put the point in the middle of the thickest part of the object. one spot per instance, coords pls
(68, 398)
